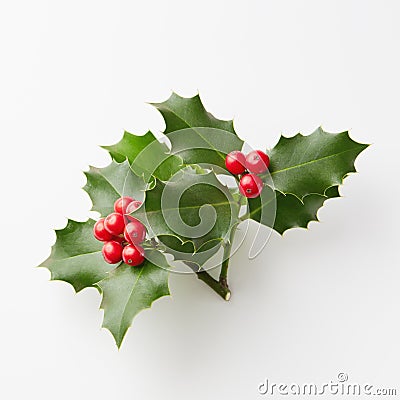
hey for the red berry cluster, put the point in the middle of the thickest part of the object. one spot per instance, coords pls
(121, 233)
(256, 162)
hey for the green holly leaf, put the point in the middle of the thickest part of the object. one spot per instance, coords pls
(129, 290)
(193, 207)
(76, 256)
(146, 155)
(291, 212)
(182, 112)
(302, 165)
(195, 134)
(105, 185)
(130, 146)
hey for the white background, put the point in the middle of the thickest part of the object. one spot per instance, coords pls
(75, 74)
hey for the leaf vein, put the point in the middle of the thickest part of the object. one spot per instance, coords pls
(189, 207)
(187, 124)
(77, 255)
(127, 302)
(312, 161)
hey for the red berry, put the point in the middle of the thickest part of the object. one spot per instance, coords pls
(133, 255)
(100, 233)
(121, 204)
(235, 162)
(115, 223)
(257, 162)
(135, 232)
(131, 208)
(250, 185)
(112, 252)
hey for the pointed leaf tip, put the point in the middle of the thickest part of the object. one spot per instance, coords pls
(302, 165)
(105, 185)
(76, 256)
(189, 112)
(128, 290)
(290, 211)
(146, 154)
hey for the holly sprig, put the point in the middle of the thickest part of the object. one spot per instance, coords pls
(303, 172)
